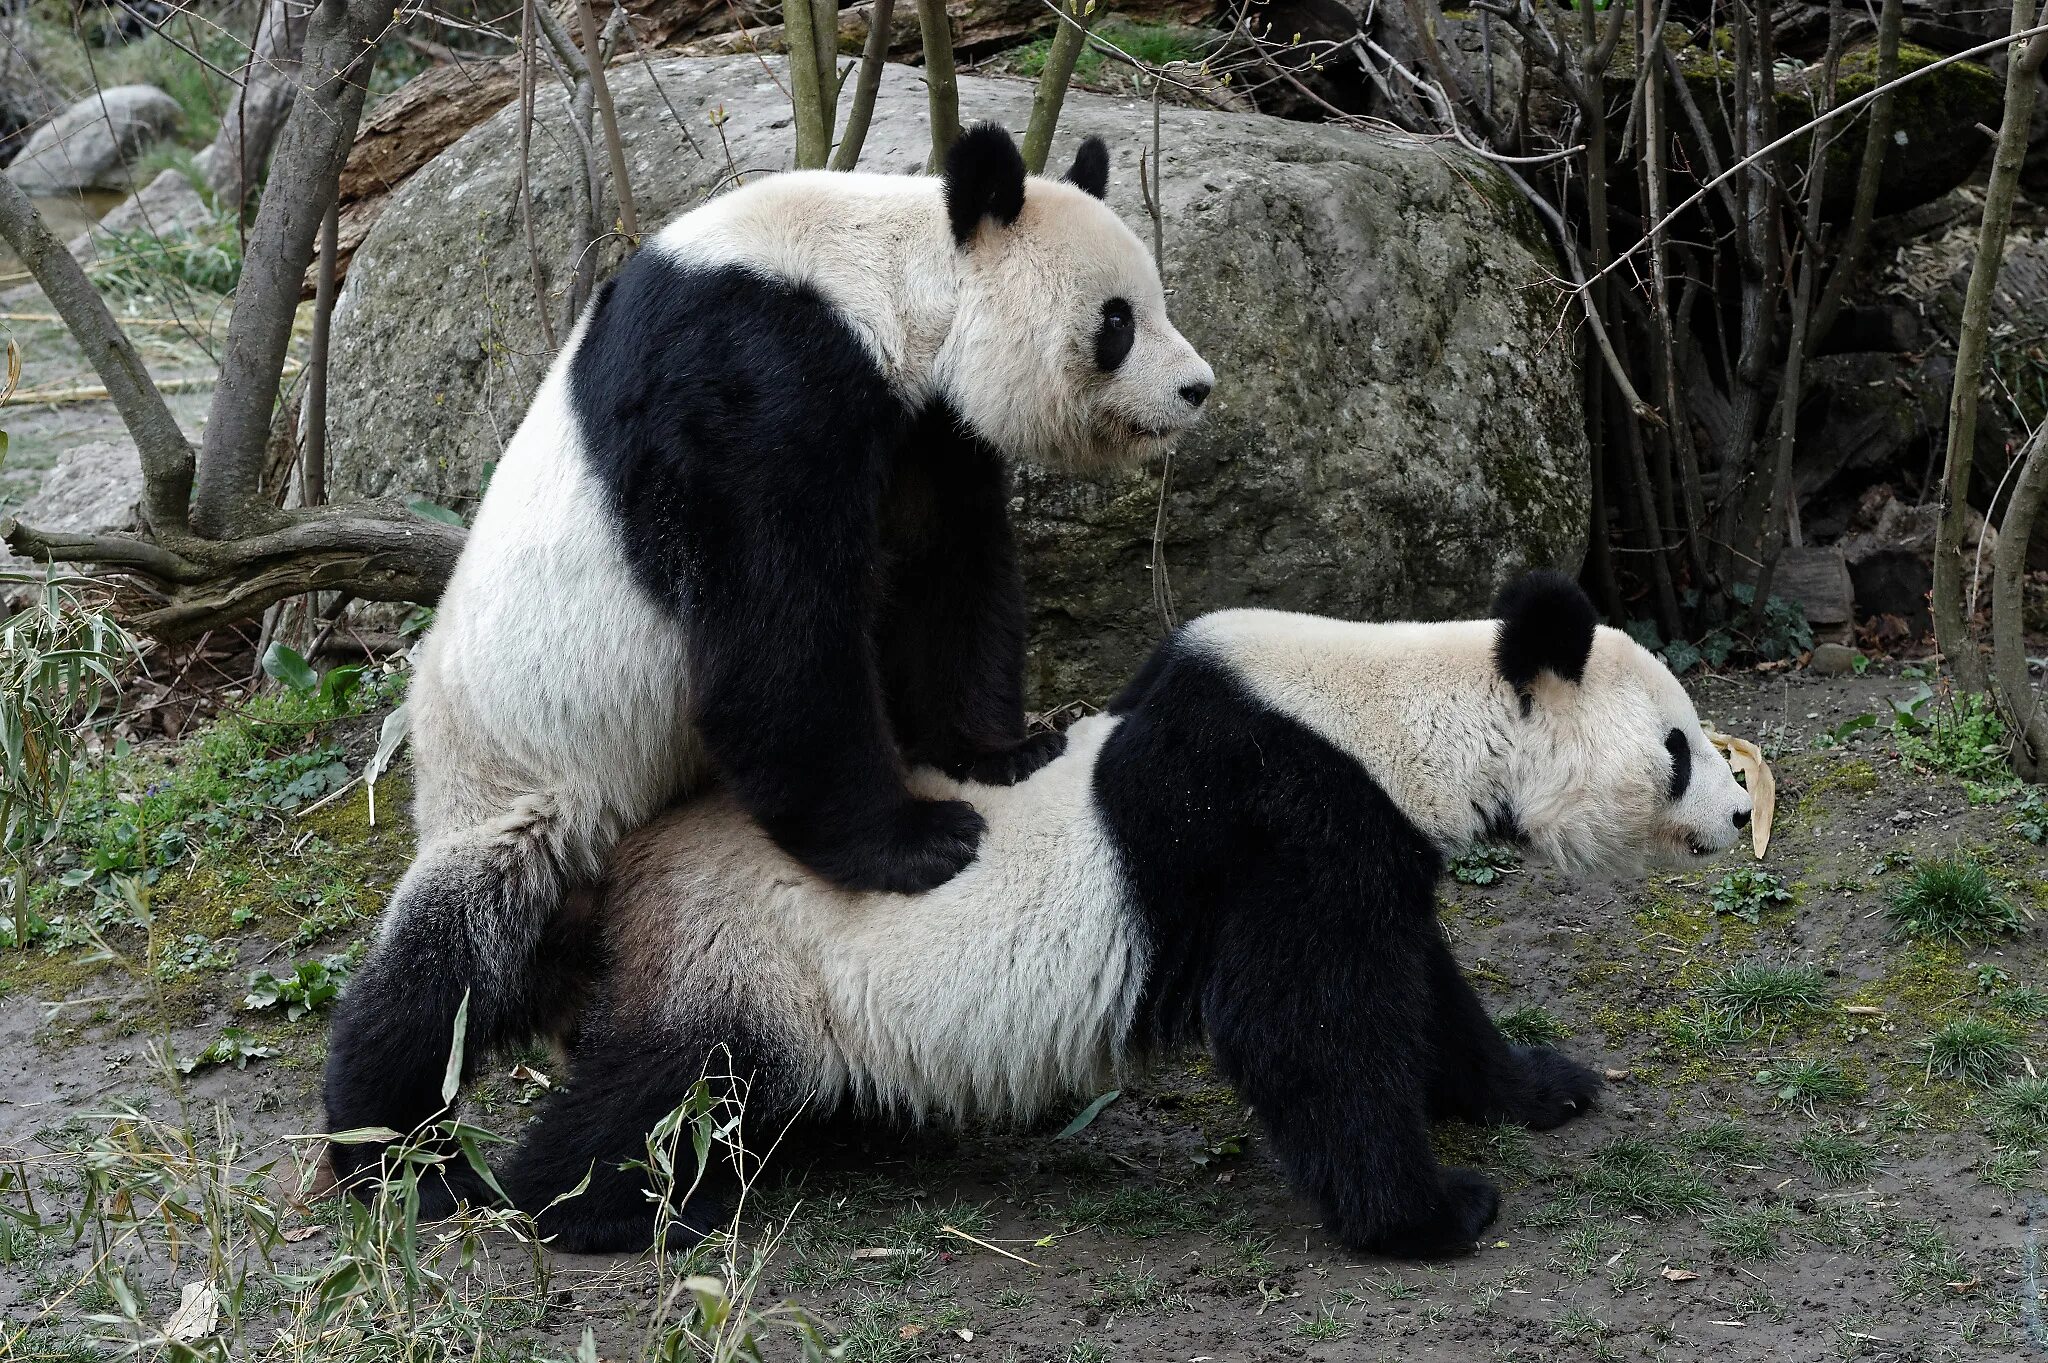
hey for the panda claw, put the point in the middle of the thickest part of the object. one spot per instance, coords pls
(1012, 764)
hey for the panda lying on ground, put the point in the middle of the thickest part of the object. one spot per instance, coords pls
(1243, 850)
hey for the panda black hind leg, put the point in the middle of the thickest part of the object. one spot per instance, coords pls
(623, 1082)
(1479, 1076)
(474, 918)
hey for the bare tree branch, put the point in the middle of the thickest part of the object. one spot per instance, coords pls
(942, 88)
(340, 47)
(874, 53)
(1067, 41)
(165, 453)
(615, 150)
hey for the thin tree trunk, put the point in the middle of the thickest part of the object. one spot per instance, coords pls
(1951, 630)
(340, 48)
(873, 54)
(232, 166)
(942, 88)
(807, 101)
(1076, 17)
(825, 30)
(165, 453)
(313, 442)
(2008, 631)
(615, 150)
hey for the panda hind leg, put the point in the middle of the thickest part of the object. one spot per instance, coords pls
(1481, 1077)
(579, 1168)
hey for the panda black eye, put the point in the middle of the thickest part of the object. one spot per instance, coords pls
(1681, 762)
(1113, 337)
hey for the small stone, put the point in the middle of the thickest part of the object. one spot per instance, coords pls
(1832, 660)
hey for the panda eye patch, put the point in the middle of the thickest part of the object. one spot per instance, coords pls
(1113, 337)
(1681, 762)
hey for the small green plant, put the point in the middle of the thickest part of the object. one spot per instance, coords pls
(311, 986)
(1972, 1050)
(1746, 893)
(1324, 1325)
(1959, 735)
(2030, 816)
(1950, 899)
(2022, 1002)
(1835, 1158)
(1128, 1291)
(233, 1046)
(1752, 1233)
(1531, 1025)
(1805, 1084)
(2020, 1109)
(1719, 1144)
(1153, 44)
(1485, 863)
(1755, 993)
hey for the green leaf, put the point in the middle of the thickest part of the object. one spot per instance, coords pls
(287, 666)
(338, 685)
(420, 506)
(452, 1080)
(1088, 1114)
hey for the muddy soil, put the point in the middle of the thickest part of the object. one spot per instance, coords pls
(1702, 1210)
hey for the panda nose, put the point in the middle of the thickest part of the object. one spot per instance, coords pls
(1195, 394)
(1742, 818)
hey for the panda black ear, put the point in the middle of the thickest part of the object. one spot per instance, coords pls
(1090, 170)
(1546, 625)
(984, 179)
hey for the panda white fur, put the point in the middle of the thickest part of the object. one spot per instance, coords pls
(755, 521)
(1243, 850)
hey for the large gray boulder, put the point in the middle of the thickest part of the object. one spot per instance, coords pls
(92, 487)
(1396, 426)
(90, 144)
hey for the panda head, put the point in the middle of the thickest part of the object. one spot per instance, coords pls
(1060, 351)
(1611, 771)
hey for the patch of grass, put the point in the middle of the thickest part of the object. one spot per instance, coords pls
(1324, 1325)
(1835, 1158)
(1746, 893)
(1928, 1263)
(1950, 899)
(1703, 1027)
(1531, 1025)
(1241, 1264)
(1133, 1291)
(1806, 1083)
(1634, 1177)
(1972, 1050)
(1582, 1250)
(1756, 993)
(1140, 1212)
(2019, 1110)
(1752, 1233)
(2022, 1002)
(1155, 44)
(1719, 1144)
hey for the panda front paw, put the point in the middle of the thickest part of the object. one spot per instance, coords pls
(915, 846)
(1554, 1088)
(1014, 763)
(1464, 1205)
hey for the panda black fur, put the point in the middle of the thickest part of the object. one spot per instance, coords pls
(755, 523)
(1243, 852)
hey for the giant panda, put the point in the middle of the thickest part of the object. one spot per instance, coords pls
(1243, 851)
(755, 523)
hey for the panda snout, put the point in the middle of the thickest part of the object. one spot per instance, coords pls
(1196, 393)
(1742, 818)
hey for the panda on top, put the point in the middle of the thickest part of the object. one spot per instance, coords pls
(1242, 851)
(755, 522)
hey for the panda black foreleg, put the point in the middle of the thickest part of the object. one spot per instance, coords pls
(1479, 1076)
(953, 619)
(1327, 1045)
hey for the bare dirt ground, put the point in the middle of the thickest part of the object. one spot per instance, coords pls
(1777, 1171)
